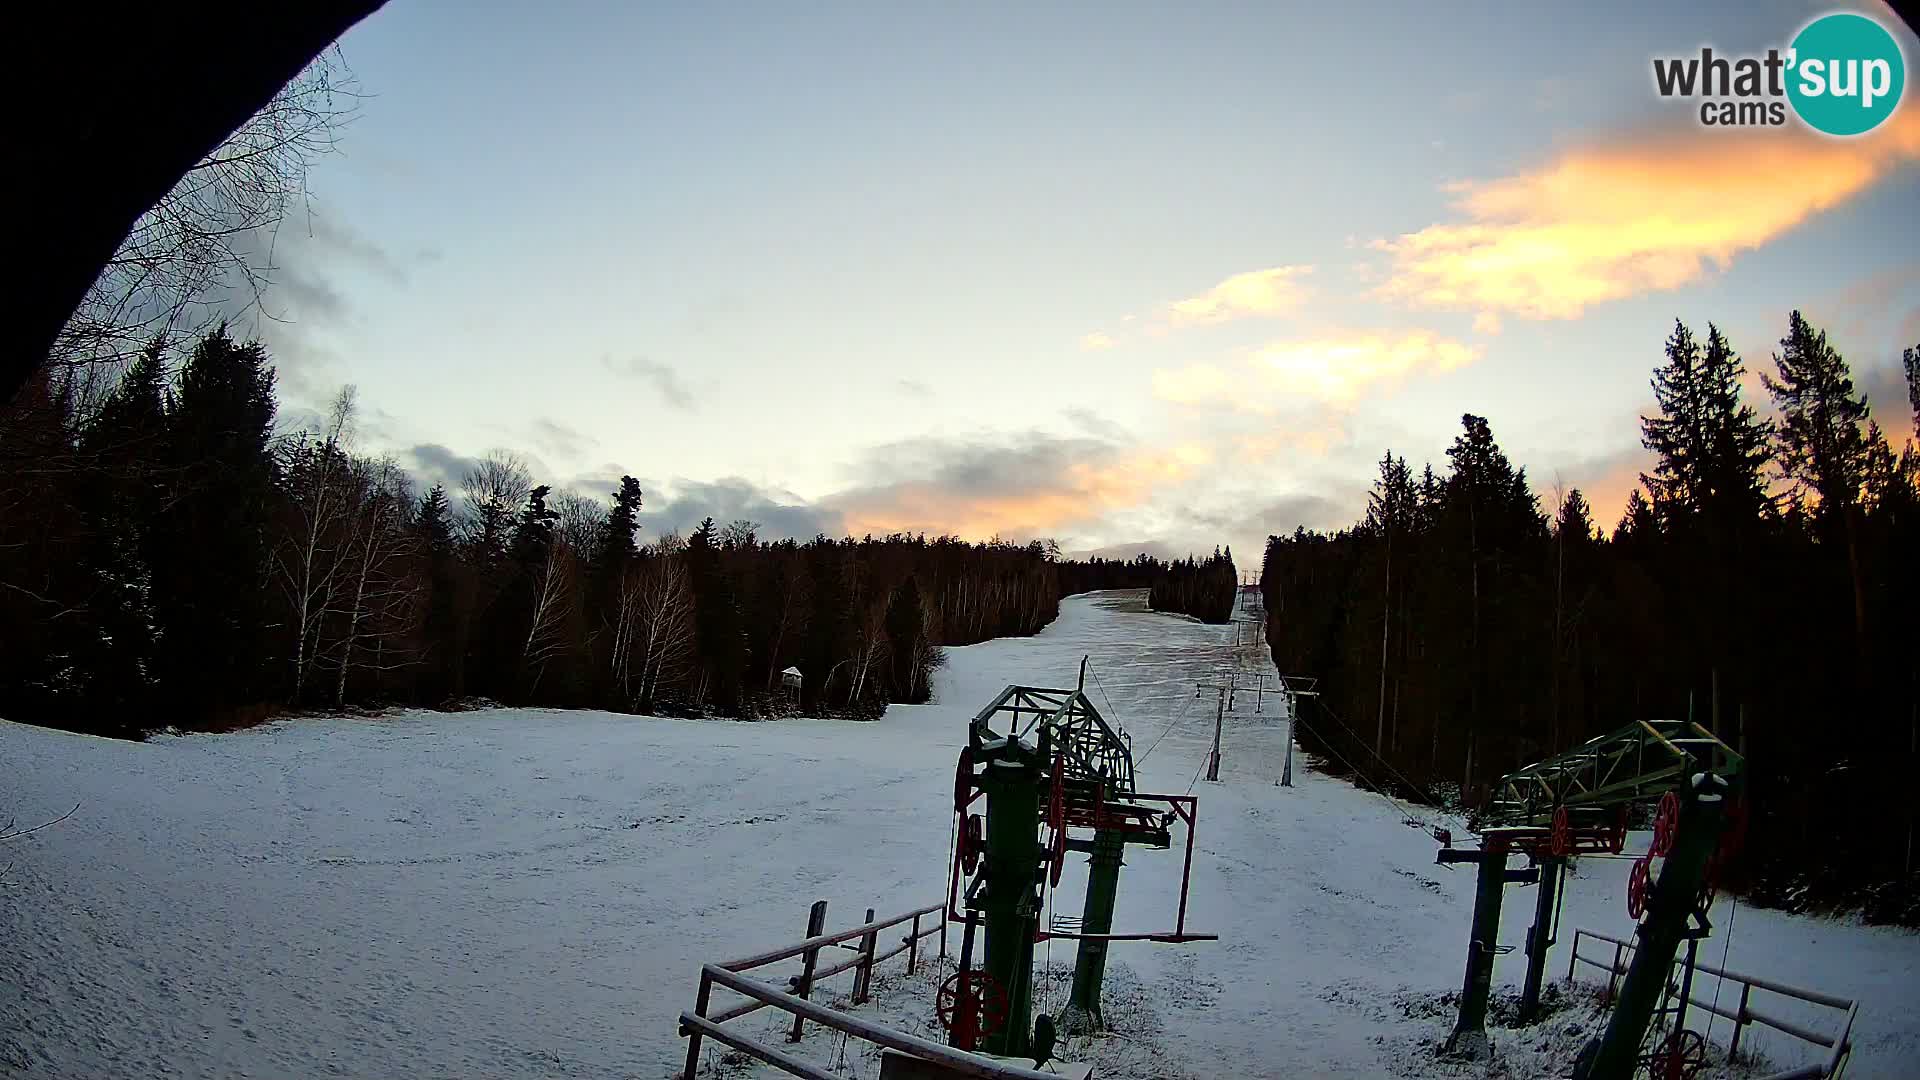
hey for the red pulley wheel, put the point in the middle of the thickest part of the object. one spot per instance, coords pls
(1057, 796)
(971, 1004)
(1637, 887)
(963, 781)
(972, 841)
(1681, 1056)
(1666, 822)
(1562, 833)
(1059, 856)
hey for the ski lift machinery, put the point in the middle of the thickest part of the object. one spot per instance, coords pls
(1055, 767)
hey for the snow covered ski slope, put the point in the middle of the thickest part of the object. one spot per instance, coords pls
(528, 893)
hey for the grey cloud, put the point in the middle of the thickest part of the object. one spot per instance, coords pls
(560, 440)
(300, 296)
(334, 239)
(781, 514)
(977, 467)
(433, 464)
(1099, 426)
(664, 380)
(1159, 549)
(913, 388)
(293, 419)
(1277, 517)
(1885, 386)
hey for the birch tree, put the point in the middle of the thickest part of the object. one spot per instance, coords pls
(554, 597)
(380, 592)
(308, 558)
(664, 632)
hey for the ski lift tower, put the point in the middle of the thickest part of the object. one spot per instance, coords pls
(1578, 802)
(1250, 616)
(1054, 761)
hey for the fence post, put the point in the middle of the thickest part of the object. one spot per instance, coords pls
(1613, 974)
(816, 925)
(913, 945)
(1573, 954)
(863, 972)
(1739, 1021)
(693, 1037)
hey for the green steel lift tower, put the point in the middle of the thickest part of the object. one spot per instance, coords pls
(1053, 767)
(1577, 802)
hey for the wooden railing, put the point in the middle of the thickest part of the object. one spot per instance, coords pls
(1838, 1045)
(699, 1023)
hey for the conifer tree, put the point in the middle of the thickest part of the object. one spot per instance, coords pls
(209, 563)
(905, 624)
(1821, 444)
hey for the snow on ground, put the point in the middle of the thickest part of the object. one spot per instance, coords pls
(522, 893)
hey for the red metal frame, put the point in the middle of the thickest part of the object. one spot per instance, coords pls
(1187, 808)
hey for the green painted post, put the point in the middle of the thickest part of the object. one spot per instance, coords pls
(1669, 904)
(1469, 1038)
(1540, 938)
(1083, 1015)
(1012, 783)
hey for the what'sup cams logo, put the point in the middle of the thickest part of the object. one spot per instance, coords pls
(1844, 74)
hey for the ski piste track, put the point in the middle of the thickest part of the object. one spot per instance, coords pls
(531, 893)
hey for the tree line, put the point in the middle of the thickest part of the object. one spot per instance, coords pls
(168, 560)
(1203, 588)
(1762, 580)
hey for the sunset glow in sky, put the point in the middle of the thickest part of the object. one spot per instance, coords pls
(1129, 276)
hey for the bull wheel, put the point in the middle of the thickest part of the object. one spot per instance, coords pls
(963, 781)
(972, 842)
(1637, 887)
(1681, 1056)
(1666, 822)
(1057, 795)
(1058, 856)
(971, 1004)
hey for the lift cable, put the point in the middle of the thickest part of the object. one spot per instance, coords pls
(1115, 713)
(1196, 773)
(1398, 775)
(1725, 948)
(1167, 730)
(1405, 813)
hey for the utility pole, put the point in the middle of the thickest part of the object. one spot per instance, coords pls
(1226, 684)
(1292, 689)
(1286, 770)
(1219, 715)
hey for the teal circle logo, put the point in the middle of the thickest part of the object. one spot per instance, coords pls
(1846, 74)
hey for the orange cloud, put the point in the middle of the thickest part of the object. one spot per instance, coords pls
(1259, 293)
(1042, 488)
(1315, 438)
(1096, 341)
(1334, 368)
(1604, 222)
(1195, 384)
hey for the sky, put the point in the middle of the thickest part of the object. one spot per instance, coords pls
(1129, 276)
